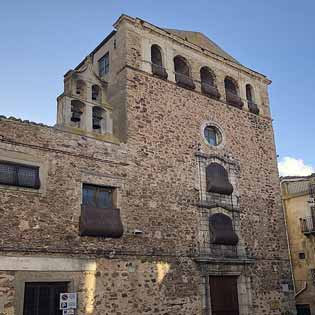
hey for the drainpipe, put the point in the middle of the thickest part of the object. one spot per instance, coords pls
(302, 290)
(284, 185)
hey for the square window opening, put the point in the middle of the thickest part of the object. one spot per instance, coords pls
(103, 65)
(20, 175)
(98, 196)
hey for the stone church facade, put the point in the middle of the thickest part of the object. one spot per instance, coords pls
(156, 192)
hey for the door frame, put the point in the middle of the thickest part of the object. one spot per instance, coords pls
(29, 276)
(243, 291)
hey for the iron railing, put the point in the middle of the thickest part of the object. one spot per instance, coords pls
(159, 71)
(307, 225)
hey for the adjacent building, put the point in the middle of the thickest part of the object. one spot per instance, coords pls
(156, 192)
(298, 194)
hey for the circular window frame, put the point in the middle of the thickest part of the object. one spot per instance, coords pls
(212, 124)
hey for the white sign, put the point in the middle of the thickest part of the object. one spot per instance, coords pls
(68, 312)
(68, 301)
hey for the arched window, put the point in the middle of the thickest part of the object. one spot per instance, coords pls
(182, 73)
(231, 92)
(80, 88)
(249, 93)
(181, 66)
(206, 76)
(230, 86)
(77, 109)
(99, 119)
(156, 56)
(221, 230)
(252, 106)
(218, 179)
(157, 62)
(96, 93)
(207, 83)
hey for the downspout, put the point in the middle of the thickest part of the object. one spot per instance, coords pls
(302, 290)
(286, 231)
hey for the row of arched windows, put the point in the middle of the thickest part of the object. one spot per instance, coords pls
(81, 91)
(207, 77)
(98, 115)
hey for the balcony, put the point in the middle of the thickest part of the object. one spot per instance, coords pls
(233, 99)
(307, 225)
(184, 81)
(210, 90)
(253, 108)
(159, 71)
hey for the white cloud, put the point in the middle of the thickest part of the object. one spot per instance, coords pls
(290, 166)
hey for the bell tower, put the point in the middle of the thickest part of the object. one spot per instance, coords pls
(83, 107)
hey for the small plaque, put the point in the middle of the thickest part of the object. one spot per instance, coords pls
(68, 301)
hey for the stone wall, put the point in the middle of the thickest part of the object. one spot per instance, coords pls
(161, 270)
(164, 134)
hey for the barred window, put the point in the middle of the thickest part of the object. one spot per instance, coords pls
(103, 65)
(43, 297)
(19, 175)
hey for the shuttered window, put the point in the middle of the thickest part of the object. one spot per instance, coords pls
(19, 175)
(42, 298)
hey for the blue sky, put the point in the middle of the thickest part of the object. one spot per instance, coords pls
(41, 40)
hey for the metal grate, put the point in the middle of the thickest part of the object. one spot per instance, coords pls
(19, 175)
(42, 298)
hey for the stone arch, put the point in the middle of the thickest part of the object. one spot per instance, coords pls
(156, 55)
(181, 66)
(157, 62)
(231, 85)
(183, 73)
(250, 94)
(77, 110)
(80, 88)
(232, 93)
(96, 93)
(99, 119)
(250, 97)
(207, 76)
(208, 87)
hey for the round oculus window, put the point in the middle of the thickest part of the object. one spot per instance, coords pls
(213, 135)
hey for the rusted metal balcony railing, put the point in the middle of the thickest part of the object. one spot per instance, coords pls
(253, 108)
(210, 90)
(233, 99)
(184, 81)
(159, 71)
(307, 225)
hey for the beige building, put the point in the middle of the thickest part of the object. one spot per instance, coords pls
(298, 194)
(156, 192)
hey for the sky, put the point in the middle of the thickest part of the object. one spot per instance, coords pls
(41, 40)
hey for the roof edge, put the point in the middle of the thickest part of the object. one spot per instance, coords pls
(164, 32)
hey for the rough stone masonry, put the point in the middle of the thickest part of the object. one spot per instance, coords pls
(142, 137)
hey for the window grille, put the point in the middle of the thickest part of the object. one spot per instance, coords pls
(20, 175)
(42, 298)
